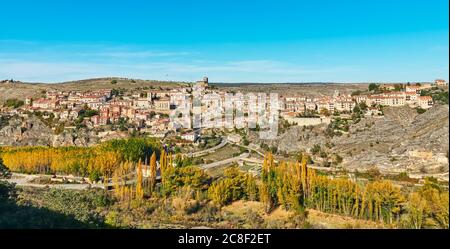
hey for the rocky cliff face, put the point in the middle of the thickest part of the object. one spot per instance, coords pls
(33, 132)
(401, 140)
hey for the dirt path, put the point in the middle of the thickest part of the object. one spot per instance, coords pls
(24, 180)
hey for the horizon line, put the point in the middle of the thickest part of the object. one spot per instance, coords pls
(218, 82)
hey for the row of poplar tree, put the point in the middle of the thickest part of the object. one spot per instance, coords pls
(295, 187)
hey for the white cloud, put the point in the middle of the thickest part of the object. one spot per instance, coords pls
(58, 63)
(234, 71)
(134, 54)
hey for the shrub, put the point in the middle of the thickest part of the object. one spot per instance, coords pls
(420, 110)
(14, 103)
(373, 173)
(4, 171)
(315, 149)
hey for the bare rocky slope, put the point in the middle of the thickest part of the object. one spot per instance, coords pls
(33, 132)
(401, 140)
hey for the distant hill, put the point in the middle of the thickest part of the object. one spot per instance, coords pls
(302, 89)
(23, 90)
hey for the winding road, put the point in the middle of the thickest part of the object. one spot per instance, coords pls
(224, 162)
(210, 150)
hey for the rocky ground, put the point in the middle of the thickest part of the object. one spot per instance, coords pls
(33, 132)
(401, 140)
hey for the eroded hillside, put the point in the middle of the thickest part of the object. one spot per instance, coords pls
(401, 140)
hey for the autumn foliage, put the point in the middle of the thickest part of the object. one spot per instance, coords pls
(296, 187)
(140, 169)
(96, 162)
(235, 185)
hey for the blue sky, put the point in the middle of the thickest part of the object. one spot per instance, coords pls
(230, 41)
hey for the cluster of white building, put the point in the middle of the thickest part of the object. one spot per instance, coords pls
(337, 102)
(411, 96)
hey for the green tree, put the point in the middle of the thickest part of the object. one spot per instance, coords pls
(373, 87)
(4, 172)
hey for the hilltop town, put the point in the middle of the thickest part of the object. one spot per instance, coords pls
(148, 110)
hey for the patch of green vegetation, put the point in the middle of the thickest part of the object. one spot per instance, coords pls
(44, 208)
(4, 121)
(439, 95)
(4, 171)
(420, 110)
(374, 87)
(272, 149)
(337, 126)
(283, 126)
(209, 142)
(118, 92)
(14, 103)
(402, 177)
(193, 177)
(84, 206)
(358, 112)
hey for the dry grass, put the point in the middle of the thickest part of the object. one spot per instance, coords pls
(221, 154)
(332, 221)
(23, 90)
(241, 207)
(20, 91)
(315, 218)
